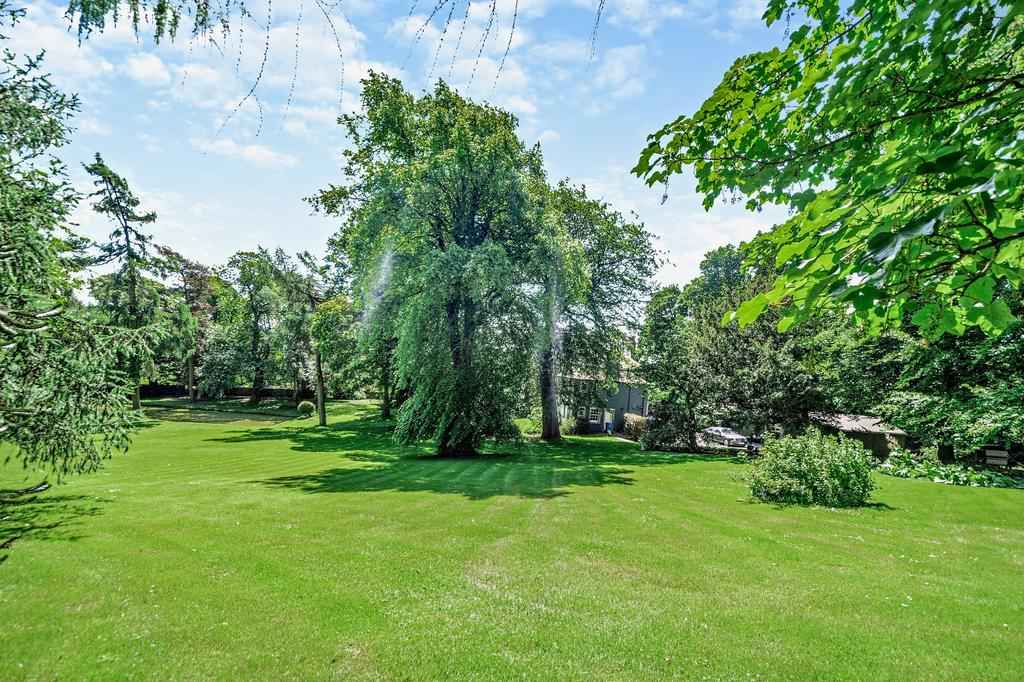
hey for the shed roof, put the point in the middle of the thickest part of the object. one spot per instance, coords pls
(856, 423)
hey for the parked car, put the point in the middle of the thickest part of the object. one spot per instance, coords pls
(724, 436)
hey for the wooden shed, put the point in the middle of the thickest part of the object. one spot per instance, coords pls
(871, 431)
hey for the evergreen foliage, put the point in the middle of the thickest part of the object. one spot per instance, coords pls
(62, 405)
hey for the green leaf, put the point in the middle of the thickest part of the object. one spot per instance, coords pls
(750, 310)
(981, 290)
(992, 318)
(991, 212)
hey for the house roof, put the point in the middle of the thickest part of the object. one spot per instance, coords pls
(626, 378)
(856, 423)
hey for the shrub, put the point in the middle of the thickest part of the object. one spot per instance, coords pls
(670, 426)
(831, 471)
(577, 426)
(634, 426)
(534, 421)
(903, 464)
(306, 408)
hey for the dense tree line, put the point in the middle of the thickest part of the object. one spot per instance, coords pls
(463, 288)
(954, 392)
(460, 290)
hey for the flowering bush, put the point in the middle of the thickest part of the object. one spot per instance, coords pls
(831, 471)
(634, 426)
(904, 464)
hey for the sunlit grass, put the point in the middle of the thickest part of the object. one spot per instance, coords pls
(239, 546)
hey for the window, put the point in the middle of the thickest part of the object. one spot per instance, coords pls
(594, 414)
(581, 413)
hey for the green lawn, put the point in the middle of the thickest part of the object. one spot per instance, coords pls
(237, 546)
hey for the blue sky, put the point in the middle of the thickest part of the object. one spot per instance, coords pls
(223, 181)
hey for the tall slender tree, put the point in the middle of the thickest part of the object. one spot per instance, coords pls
(596, 268)
(130, 298)
(333, 331)
(252, 275)
(195, 285)
(302, 295)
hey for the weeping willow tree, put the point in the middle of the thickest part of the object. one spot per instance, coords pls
(440, 190)
(164, 17)
(62, 405)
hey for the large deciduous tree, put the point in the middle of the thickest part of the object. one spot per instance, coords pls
(891, 130)
(62, 406)
(438, 188)
(252, 275)
(595, 270)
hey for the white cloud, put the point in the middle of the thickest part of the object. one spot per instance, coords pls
(478, 54)
(258, 154)
(748, 11)
(150, 142)
(294, 126)
(147, 69)
(561, 50)
(645, 16)
(681, 225)
(74, 67)
(621, 74)
(548, 136)
(92, 126)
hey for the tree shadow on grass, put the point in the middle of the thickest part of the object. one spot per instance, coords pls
(875, 506)
(43, 517)
(530, 470)
(200, 416)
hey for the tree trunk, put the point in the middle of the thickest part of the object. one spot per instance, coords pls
(321, 403)
(257, 386)
(257, 369)
(551, 428)
(299, 388)
(385, 391)
(946, 453)
(190, 378)
(447, 446)
(136, 398)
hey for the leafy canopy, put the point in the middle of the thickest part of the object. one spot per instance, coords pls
(891, 129)
(439, 220)
(702, 373)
